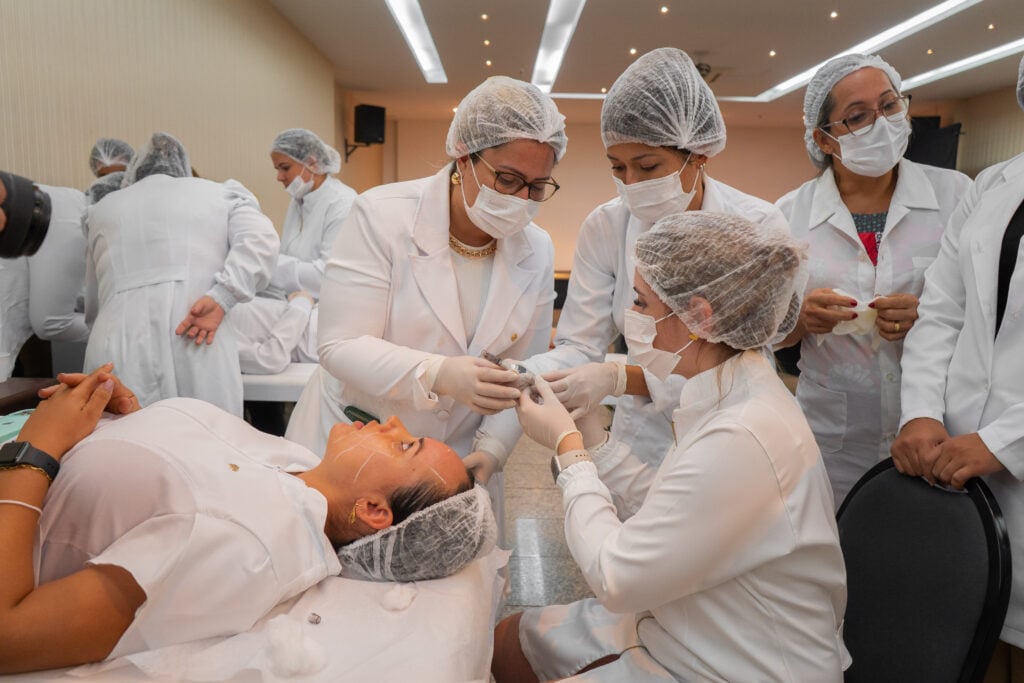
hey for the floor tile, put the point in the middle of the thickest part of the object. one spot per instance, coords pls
(545, 581)
(533, 503)
(534, 537)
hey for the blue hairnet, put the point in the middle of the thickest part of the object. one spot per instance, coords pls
(162, 154)
(500, 110)
(308, 149)
(109, 152)
(821, 85)
(661, 100)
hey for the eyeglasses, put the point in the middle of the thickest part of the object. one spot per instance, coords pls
(862, 121)
(507, 182)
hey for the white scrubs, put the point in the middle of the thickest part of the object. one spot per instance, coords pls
(200, 509)
(391, 308)
(155, 248)
(310, 228)
(729, 570)
(957, 370)
(15, 328)
(600, 292)
(849, 389)
(57, 270)
(271, 334)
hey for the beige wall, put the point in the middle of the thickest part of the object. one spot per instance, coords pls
(993, 130)
(224, 76)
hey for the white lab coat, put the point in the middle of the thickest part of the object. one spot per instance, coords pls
(390, 302)
(956, 370)
(733, 548)
(272, 333)
(850, 391)
(600, 292)
(152, 487)
(57, 270)
(310, 227)
(15, 328)
(155, 248)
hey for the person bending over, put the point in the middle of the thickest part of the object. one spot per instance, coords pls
(178, 521)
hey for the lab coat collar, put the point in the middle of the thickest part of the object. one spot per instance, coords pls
(827, 206)
(715, 388)
(1014, 168)
(315, 196)
(914, 191)
(510, 278)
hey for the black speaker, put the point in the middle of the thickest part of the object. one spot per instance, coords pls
(369, 124)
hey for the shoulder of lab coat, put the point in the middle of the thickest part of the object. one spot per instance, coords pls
(57, 270)
(932, 340)
(722, 198)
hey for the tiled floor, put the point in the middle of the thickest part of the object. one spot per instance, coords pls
(541, 571)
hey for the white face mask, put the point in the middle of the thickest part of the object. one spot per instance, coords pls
(640, 332)
(877, 152)
(651, 200)
(299, 188)
(499, 215)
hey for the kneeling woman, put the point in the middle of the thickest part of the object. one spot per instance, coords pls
(729, 568)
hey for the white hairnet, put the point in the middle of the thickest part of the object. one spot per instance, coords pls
(752, 277)
(820, 87)
(430, 544)
(108, 152)
(1020, 84)
(661, 100)
(308, 149)
(101, 187)
(500, 110)
(162, 154)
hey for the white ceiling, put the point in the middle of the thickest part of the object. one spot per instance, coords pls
(733, 36)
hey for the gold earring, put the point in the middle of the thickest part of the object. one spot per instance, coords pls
(456, 179)
(693, 337)
(352, 516)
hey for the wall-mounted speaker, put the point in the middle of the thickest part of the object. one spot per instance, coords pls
(369, 124)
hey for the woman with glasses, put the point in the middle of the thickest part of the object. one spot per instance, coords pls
(873, 221)
(432, 273)
(660, 125)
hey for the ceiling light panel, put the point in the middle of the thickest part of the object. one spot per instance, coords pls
(409, 16)
(965, 64)
(563, 15)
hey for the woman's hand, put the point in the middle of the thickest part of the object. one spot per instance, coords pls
(482, 465)
(202, 320)
(916, 447)
(581, 389)
(823, 309)
(546, 420)
(122, 399)
(68, 416)
(477, 383)
(896, 315)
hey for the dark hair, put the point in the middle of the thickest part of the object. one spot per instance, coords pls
(823, 118)
(409, 499)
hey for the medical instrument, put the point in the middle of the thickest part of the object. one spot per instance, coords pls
(359, 415)
(525, 376)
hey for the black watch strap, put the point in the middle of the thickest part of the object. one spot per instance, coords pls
(24, 454)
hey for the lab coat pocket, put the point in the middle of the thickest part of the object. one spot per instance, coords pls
(825, 410)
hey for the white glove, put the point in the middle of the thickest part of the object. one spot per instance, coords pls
(547, 421)
(581, 389)
(482, 464)
(477, 383)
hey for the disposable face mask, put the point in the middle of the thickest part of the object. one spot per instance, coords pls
(640, 332)
(299, 188)
(652, 200)
(877, 152)
(499, 215)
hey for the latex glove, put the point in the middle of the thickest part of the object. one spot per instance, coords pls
(477, 383)
(581, 389)
(544, 420)
(482, 464)
(202, 320)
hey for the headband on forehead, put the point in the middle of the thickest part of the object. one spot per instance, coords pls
(28, 217)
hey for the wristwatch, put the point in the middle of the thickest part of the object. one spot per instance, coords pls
(23, 454)
(559, 463)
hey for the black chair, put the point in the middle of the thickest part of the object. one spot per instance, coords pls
(928, 572)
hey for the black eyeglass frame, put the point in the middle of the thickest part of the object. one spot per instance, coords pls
(515, 178)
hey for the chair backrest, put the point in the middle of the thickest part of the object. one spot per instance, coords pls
(928, 575)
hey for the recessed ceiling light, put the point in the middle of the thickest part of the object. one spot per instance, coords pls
(931, 51)
(487, 42)
(632, 50)
(560, 24)
(833, 15)
(664, 9)
(1015, 47)
(991, 27)
(409, 16)
(454, 109)
(604, 89)
(488, 62)
(484, 17)
(771, 53)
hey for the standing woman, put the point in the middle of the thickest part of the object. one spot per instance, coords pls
(435, 271)
(320, 203)
(728, 567)
(169, 256)
(660, 124)
(873, 221)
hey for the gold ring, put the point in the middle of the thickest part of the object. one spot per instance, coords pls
(896, 327)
